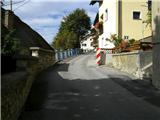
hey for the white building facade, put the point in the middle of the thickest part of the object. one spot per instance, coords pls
(107, 16)
(86, 44)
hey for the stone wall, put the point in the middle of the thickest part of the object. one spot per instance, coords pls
(34, 56)
(13, 96)
(146, 63)
(137, 63)
(108, 57)
(45, 57)
(127, 62)
(15, 89)
(16, 86)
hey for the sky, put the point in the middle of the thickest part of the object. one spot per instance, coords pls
(44, 16)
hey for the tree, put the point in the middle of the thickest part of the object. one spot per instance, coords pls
(149, 14)
(9, 43)
(149, 18)
(72, 28)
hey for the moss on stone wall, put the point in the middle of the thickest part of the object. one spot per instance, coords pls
(16, 86)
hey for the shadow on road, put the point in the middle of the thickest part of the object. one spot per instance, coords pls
(40, 88)
(142, 89)
(53, 97)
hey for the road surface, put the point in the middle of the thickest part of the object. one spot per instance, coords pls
(78, 89)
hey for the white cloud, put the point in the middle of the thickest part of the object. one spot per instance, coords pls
(45, 21)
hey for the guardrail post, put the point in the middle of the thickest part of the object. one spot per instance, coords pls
(65, 54)
(61, 55)
(71, 52)
(68, 53)
(56, 55)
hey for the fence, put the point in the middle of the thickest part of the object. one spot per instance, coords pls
(63, 54)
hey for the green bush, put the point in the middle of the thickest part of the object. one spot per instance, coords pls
(9, 42)
(131, 41)
(117, 39)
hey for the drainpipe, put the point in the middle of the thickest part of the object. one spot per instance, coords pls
(119, 18)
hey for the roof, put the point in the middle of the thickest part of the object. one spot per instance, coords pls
(96, 19)
(94, 1)
(27, 36)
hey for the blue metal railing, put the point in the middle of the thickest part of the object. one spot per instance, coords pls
(63, 54)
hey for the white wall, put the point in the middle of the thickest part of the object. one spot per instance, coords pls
(109, 22)
(88, 42)
(103, 43)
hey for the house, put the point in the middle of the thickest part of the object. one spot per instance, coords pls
(86, 44)
(31, 43)
(27, 36)
(125, 18)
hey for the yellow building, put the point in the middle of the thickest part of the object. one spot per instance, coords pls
(130, 19)
(124, 18)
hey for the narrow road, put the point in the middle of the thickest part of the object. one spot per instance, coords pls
(78, 89)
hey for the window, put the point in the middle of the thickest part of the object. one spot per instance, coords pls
(106, 16)
(84, 45)
(136, 15)
(126, 37)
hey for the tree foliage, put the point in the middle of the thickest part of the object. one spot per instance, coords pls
(149, 18)
(9, 43)
(72, 28)
(149, 14)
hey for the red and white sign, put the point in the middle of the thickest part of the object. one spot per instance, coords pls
(98, 56)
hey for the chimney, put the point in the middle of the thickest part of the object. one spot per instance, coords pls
(8, 19)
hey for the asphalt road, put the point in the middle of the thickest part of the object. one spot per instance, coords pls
(78, 89)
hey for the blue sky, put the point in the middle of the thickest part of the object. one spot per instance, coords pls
(44, 16)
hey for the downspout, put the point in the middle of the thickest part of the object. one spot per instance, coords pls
(119, 18)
